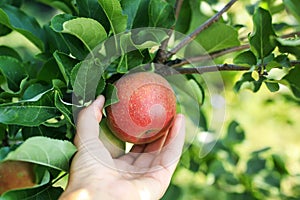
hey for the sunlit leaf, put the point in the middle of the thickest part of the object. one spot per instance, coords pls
(19, 21)
(114, 13)
(89, 31)
(218, 36)
(45, 151)
(262, 39)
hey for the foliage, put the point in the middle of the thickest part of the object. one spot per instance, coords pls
(40, 89)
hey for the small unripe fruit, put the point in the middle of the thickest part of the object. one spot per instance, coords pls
(146, 108)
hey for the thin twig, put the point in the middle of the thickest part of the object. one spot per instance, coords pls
(212, 68)
(201, 28)
(211, 55)
(161, 56)
(291, 35)
(219, 53)
(220, 67)
(178, 7)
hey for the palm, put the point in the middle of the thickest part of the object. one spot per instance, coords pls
(143, 172)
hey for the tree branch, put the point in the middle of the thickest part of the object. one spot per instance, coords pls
(220, 67)
(161, 56)
(201, 28)
(212, 68)
(212, 55)
(216, 54)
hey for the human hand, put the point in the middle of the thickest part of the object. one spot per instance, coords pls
(144, 173)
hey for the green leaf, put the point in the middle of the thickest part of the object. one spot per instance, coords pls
(49, 71)
(293, 6)
(34, 90)
(86, 76)
(66, 6)
(246, 57)
(19, 21)
(32, 112)
(4, 30)
(89, 31)
(255, 165)
(279, 164)
(148, 38)
(217, 168)
(289, 42)
(65, 64)
(130, 8)
(218, 36)
(45, 151)
(173, 192)
(262, 39)
(185, 16)
(161, 14)
(272, 86)
(7, 51)
(247, 81)
(45, 131)
(114, 13)
(111, 95)
(141, 22)
(289, 46)
(92, 9)
(235, 134)
(13, 71)
(76, 40)
(273, 179)
(64, 108)
(58, 21)
(293, 79)
(197, 16)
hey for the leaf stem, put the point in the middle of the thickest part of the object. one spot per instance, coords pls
(201, 28)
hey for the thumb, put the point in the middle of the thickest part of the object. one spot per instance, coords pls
(88, 122)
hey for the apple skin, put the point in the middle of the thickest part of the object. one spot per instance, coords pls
(15, 175)
(146, 108)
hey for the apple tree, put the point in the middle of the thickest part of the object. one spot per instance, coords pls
(56, 56)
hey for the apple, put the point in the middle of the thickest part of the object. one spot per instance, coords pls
(15, 175)
(145, 110)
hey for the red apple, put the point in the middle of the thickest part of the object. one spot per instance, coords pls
(16, 174)
(146, 108)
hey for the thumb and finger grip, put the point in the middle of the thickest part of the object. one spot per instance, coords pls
(88, 122)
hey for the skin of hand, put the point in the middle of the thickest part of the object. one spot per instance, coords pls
(143, 173)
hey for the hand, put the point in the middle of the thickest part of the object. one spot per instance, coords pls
(144, 173)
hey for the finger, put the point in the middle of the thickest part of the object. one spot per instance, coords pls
(88, 122)
(90, 148)
(155, 150)
(158, 179)
(173, 146)
(145, 158)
